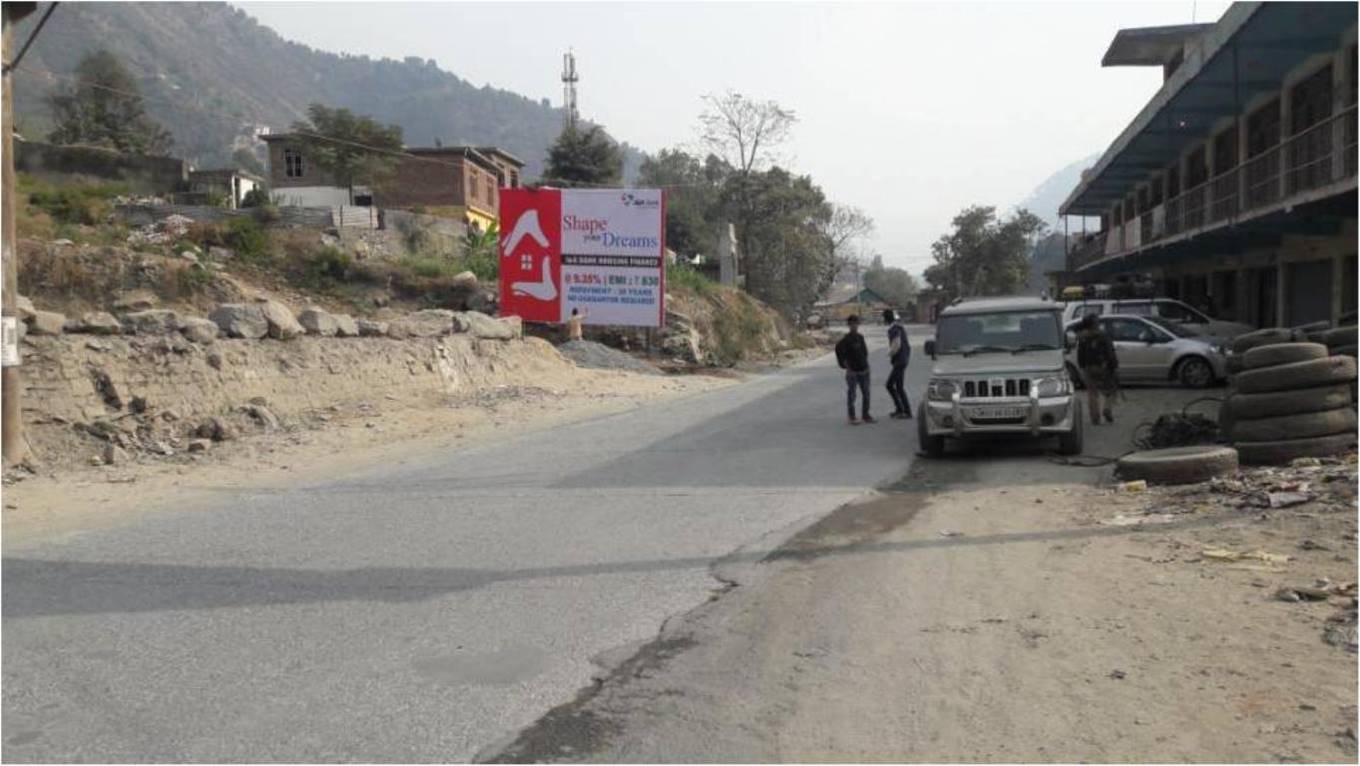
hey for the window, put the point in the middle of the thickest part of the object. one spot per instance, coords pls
(1225, 151)
(292, 163)
(491, 190)
(1179, 312)
(1310, 101)
(1263, 128)
(1127, 330)
(1142, 309)
(514, 180)
(964, 333)
(1197, 171)
(1089, 309)
(1173, 181)
(472, 185)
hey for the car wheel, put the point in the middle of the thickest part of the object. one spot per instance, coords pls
(1195, 372)
(1070, 443)
(931, 446)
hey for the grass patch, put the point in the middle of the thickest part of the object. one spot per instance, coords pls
(740, 329)
(83, 203)
(684, 276)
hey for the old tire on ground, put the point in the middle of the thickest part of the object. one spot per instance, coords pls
(1274, 453)
(1341, 336)
(1277, 403)
(1344, 351)
(1235, 364)
(1242, 343)
(1289, 377)
(1307, 425)
(1281, 353)
(1178, 465)
(931, 446)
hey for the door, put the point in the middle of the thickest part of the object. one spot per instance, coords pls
(1143, 350)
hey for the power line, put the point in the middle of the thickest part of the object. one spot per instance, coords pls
(10, 65)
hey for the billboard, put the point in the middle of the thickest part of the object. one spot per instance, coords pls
(597, 250)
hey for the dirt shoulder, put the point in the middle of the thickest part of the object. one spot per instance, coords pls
(998, 606)
(327, 442)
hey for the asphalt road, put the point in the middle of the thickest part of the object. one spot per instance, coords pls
(428, 611)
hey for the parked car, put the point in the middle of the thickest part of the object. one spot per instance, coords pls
(1167, 309)
(1157, 351)
(997, 368)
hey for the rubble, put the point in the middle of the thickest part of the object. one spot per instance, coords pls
(163, 232)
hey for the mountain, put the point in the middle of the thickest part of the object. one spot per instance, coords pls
(214, 76)
(1049, 195)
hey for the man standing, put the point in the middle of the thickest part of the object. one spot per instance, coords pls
(574, 325)
(899, 355)
(852, 354)
(1099, 367)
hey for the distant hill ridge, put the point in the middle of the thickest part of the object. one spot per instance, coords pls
(212, 74)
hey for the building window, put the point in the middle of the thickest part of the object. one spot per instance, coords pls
(1197, 168)
(1310, 101)
(1263, 128)
(1173, 181)
(292, 163)
(514, 180)
(491, 190)
(1225, 151)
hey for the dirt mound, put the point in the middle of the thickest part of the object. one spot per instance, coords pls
(588, 353)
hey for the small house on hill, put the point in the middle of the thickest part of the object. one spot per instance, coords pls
(843, 301)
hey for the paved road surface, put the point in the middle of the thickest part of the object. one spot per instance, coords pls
(421, 612)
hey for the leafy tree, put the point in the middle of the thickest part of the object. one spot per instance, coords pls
(352, 149)
(583, 158)
(897, 286)
(104, 108)
(693, 191)
(245, 159)
(984, 255)
(743, 130)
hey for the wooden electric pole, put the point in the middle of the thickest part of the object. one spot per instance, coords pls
(12, 442)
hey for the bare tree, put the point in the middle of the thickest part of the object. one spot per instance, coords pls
(843, 227)
(742, 129)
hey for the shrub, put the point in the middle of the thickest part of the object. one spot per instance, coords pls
(681, 275)
(83, 203)
(257, 197)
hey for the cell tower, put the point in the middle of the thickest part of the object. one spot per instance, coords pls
(569, 80)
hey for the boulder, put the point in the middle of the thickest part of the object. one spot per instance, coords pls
(370, 327)
(318, 322)
(430, 323)
(199, 445)
(198, 329)
(240, 320)
(23, 308)
(98, 323)
(114, 454)
(221, 253)
(151, 322)
(683, 343)
(465, 280)
(479, 325)
(46, 323)
(216, 429)
(136, 300)
(345, 325)
(282, 324)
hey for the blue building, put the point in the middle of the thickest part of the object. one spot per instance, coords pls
(1234, 188)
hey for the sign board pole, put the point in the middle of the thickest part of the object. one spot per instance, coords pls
(11, 412)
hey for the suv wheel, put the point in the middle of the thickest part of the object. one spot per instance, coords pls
(1195, 372)
(1070, 443)
(932, 446)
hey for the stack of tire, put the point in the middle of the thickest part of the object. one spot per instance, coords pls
(1289, 399)
(1340, 341)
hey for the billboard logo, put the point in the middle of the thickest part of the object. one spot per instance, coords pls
(526, 226)
(632, 200)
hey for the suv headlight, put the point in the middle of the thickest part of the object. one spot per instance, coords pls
(1055, 386)
(941, 390)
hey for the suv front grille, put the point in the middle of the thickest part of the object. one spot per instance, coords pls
(995, 388)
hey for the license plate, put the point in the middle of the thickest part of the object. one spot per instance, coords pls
(996, 413)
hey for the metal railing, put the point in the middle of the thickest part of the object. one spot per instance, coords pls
(1086, 251)
(1313, 159)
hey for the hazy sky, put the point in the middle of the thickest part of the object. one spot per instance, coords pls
(910, 111)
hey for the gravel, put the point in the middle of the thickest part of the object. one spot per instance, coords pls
(588, 353)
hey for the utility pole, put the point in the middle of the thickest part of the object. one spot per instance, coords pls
(11, 413)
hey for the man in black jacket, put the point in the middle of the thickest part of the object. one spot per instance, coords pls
(853, 356)
(1099, 367)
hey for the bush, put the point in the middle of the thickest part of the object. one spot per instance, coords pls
(257, 197)
(243, 234)
(87, 204)
(683, 276)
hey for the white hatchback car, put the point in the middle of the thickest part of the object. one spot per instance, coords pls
(1155, 351)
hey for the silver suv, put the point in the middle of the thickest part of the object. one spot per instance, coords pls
(998, 369)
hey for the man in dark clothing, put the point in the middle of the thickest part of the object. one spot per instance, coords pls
(1099, 367)
(899, 354)
(852, 354)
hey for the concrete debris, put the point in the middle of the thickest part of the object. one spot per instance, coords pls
(479, 325)
(163, 232)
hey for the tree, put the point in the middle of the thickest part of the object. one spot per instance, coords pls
(984, 255)
(352, 149)
(693, 191)
(742, 130)
(843, 228)
(104, 108)
(583, 158)
(897, 286)
(245, 159)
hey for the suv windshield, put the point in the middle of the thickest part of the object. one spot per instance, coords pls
(1006, 331)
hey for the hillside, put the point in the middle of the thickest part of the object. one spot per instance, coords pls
(1047, 196)
(211, 73)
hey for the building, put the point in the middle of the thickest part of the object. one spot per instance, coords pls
(843, 301)
(1234, 187)
(457, 182)
(233, 184)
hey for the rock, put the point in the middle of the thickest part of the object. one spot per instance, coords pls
(479, 325)
(46, 323)
(98, 323)
(189, 256)
(221, 253)
(136, 300)
(114, 455)
(240, 320)
(215, 359)
(198, 329)
(430, 323)
(216, 429)
(683, 342)
(483, 300)
(23, 308)
(282, 324)
(345, 325)
(370, 327)
(138, 405)
(464, 280)
(151, 322)
(199, 445)
(262, 414)
(318, 322)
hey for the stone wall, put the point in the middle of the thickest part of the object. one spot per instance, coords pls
(289, 217)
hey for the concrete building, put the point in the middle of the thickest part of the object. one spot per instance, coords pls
(232, 183)
(1235, 186)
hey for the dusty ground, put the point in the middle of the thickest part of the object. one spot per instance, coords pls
(997, 606)
(384, 428)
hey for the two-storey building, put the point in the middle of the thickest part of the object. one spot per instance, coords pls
(1235, 186)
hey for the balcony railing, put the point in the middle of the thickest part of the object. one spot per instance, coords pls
(1316, 158)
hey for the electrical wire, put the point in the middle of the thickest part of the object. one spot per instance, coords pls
(10, 65)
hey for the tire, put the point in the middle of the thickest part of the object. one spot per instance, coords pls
(1178, 465)
(931, 446)
(1281, 353)
(1341, 336)
(1344, 351)
(1307, 425)
(1274, 453)
(1243, 343)
(1195, 372)
(1235, 364)
(1071, 442)
(1289, 377)
(1257, 406)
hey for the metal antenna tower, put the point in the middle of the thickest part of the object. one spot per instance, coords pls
(569, 80)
